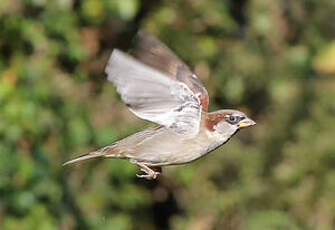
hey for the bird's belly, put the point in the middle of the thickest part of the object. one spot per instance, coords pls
(168, 157)
(174, 152)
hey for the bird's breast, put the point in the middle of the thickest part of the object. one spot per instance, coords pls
(169, 148)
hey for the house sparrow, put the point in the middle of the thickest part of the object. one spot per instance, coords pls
(157, 86)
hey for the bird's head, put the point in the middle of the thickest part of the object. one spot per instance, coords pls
(227, 122)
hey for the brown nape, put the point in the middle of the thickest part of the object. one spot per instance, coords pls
(213, 118)
(204, 102)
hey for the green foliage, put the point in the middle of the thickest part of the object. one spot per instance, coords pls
(272, 59)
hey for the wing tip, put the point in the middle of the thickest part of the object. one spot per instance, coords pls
(110, 61)
(143, 35)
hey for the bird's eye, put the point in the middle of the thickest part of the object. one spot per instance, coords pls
(233, 119)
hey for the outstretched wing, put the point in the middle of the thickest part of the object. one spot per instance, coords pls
(153, 96)
(155, 54)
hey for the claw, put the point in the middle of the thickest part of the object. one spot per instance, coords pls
(151, 174)
(148, 176)
(142, 175)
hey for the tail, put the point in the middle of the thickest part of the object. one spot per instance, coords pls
(108, 151)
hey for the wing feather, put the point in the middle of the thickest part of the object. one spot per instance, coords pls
(155, 54)
(153, 96)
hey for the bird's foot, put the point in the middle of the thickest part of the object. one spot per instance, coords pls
(151, 173)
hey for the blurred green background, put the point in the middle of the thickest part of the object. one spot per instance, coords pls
(274, 60)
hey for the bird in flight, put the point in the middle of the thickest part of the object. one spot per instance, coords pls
(157, 86)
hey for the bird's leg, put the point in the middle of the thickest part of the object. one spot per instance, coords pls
(151, 173)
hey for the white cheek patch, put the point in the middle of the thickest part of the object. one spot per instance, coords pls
(224, 128)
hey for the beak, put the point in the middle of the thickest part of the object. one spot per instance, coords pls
(246, 123)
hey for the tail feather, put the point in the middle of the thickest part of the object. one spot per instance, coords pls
(108, 151)
(85, 157)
